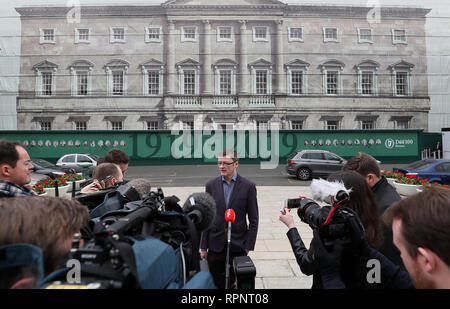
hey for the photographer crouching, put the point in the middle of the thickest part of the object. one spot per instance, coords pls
(345, 235)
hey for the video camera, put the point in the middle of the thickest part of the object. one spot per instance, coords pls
(152, 243)
(334, 221)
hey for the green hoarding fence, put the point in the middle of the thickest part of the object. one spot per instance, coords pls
(201, 147)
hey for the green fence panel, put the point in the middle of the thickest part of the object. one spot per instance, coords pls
(201, 147)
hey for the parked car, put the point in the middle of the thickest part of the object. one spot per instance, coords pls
(44, 167)
(85, 160)
(434, 170)
(306, 164)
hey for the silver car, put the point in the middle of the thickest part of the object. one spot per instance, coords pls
(306, 164)
(77, 159)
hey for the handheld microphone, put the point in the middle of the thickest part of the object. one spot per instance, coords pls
(230, 217)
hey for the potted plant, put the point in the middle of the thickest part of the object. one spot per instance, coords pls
(391, 176)
(49, 186)
(37, 188)
(407, 185)
(75, 177)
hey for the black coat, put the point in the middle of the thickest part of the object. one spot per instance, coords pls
(385, 195)
(353, 268)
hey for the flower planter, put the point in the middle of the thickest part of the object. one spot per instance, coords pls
(391, 181)
(405, 189)
(77, 185)
(61, 190)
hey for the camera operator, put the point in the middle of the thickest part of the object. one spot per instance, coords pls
(105, 175)
(352, 269)
(15, 167)
(420, 225)
(48, 223)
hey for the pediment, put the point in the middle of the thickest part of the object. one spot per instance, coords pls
(260, 63)
(188, 62)
(45, 65)
(117, 63)
(152, 63)
(368, 63)
(297, 63)
(401, 64)
(333, 63)
(81, 64)
(225, 63)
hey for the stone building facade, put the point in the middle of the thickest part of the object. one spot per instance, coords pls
(235, 64)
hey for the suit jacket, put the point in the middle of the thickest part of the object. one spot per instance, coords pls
(244, 203)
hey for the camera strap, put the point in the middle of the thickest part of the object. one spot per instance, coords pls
(336, 205)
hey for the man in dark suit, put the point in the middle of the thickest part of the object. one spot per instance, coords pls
(230, 190)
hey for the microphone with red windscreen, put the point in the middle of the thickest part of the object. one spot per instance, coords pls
(230, 217)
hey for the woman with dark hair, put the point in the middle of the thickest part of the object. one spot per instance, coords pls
(353, 266)
(362, 201)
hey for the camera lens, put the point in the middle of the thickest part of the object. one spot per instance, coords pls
(311, 213)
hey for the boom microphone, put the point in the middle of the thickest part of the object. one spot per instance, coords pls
(329, 192)
(200, 207)
(141, 185)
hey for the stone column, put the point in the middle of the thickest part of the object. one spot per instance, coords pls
(279, 77)
(243, 61)
(207, 76)
(171, 75)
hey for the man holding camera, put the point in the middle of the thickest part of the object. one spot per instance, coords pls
(15, 167)
(230, 191)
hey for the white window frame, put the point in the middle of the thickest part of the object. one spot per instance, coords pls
(301, 122)
(363, 40)
(327, 125)
(407, 86)
(150, 125)
(325, 39)
(217, 73)
(183, 34)
(109, 79)
(77, 35)
(406, 122)
(40, 82)
(153, 40)
(112, 39)
(253, 73)
(42, 39)
(45, 125)
(262, 124)
(265, 39)
(116, 125)
(220, 39)
(80, 125)
(145, 81)
(364, 124)
(295, 39)
(332, 67)
(196, 70)
(396, 41)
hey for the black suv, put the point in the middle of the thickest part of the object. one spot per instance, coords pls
(306, 164)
